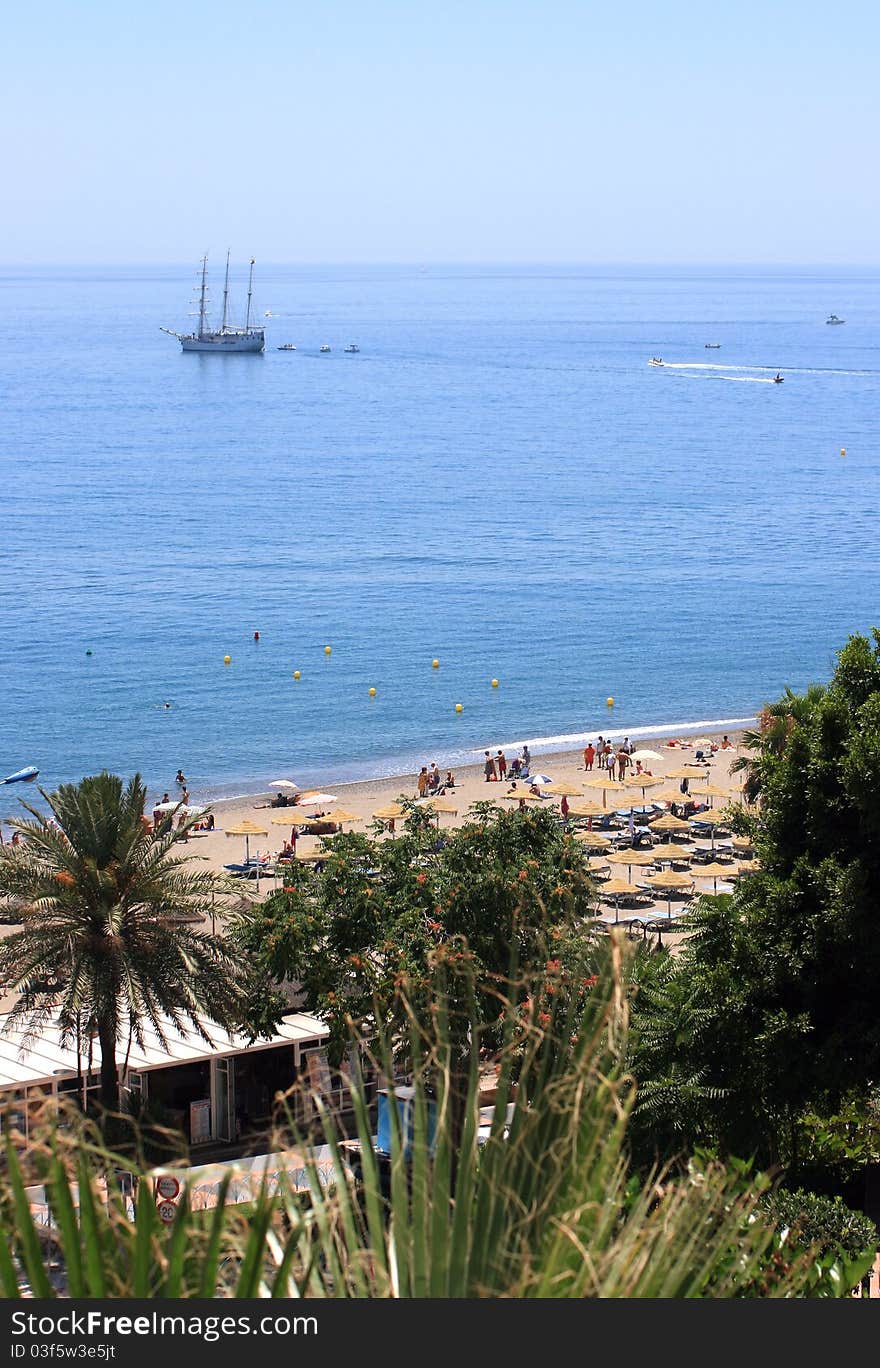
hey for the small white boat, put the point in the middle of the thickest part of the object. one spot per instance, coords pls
(324, 347)
(352, 347)
(655, 361)
(712, 345)
(286, 346)
(832, 318)
(22, 776)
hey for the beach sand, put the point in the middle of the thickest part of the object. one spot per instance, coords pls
(365, 797)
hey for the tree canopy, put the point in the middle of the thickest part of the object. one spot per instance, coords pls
(771, 1007)
(506, 889)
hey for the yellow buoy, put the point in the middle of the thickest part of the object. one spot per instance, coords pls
(372, 693)
(610, 701)
(843, 451)
(459, 707)
(328, 650)
(494, 683)
(435, 664)
(296, 674)
(227, 660)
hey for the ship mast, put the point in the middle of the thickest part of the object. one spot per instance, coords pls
(202, 306)
(225, 295)
(250, 292)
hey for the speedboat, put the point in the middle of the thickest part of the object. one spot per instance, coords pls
(778, 379)
(713, 345)
(655, 361)
(832, 318)
(352, 347)
(286, 346)
(324, 347)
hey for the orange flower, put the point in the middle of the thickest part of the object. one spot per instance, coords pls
(421, 878)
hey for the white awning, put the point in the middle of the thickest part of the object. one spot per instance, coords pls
(43, 1059)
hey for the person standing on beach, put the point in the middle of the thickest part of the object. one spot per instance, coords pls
(600, 752)
(489, 768)
(502, 765)
(589, 755)
(422, 781)
(610, 759)
(563, 808)
(526, 760)
(622, 763)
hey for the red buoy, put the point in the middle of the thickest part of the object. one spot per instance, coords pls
(256, 636)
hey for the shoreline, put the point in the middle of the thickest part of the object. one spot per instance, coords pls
(361, 798)
(562, 746)
(386, 788)
(565, 749)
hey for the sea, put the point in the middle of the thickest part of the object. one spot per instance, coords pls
(497, 480)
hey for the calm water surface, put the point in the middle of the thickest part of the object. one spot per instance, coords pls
(498, 479)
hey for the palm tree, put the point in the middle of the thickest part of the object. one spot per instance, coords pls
(776, 723)
(104, 944)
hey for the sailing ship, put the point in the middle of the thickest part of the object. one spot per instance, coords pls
(228, 338)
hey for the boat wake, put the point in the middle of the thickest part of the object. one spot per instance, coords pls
(789, 370)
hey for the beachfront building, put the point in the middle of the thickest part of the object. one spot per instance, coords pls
(211, 1091)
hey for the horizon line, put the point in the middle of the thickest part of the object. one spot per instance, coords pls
(472, 262)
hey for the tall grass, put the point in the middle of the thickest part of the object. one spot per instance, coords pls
(537, 1203)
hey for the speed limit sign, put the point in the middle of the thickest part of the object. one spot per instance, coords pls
(167, 1186)
(167, 1212)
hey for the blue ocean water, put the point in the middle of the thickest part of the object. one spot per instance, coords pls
(498, 479)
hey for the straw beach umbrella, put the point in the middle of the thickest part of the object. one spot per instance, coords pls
(669, 881)
(586, 808)
(522, 796)
(592, 840)
(709, 819)
(437, 805)
(669, 851)
(669, 823)
(715, 871)
(597, 862)
(389, 813)
(563, 790)
(670, 796)
(606, 785)
(642, 781)
(630, 858)
(617, 889)
(247, 829)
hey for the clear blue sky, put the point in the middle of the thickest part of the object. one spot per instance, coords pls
(481, 131)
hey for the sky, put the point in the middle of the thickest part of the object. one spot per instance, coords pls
(383, 131)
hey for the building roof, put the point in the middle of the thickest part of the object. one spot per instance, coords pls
(43, 1059)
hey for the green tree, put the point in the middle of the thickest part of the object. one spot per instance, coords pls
(771, 1006)
(506, 888)
(103, 943)
(542, 1206)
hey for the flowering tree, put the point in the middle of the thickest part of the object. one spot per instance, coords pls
(499, 903)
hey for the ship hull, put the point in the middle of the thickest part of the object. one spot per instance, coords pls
(224, 344)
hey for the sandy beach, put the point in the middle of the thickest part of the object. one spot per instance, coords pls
(364, 798)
